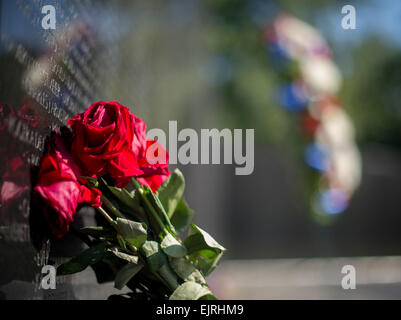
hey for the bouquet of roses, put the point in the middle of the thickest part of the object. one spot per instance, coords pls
(106, 162)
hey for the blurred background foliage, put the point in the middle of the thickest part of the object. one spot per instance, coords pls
(206, 64)
(174, 53)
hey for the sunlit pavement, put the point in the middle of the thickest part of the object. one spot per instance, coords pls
(318, 278)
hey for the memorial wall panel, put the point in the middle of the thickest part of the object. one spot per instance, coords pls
(47, 75)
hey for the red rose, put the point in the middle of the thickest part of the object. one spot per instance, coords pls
(59, 187)
(153, 161)
(155, 173)
(15, 183)
(105, 139)
(109, 139)
(155, 181)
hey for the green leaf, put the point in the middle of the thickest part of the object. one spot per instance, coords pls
(103, 271)
(190, 290)
(168, 275)
(107, 268)
(129, 202)
(171, 191)
(133, 232)
(84, 259)
(154, 255)
(186, 271)
(206, 261)
(126, 273)
(124, 256)
(125, 197)
(172, 247)
(121, 241)
(158, 206)
(182, 216)
(203, 250)
(205, 239)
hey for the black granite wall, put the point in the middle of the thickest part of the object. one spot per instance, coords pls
(47, 75)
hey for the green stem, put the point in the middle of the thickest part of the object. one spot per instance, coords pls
(135, 207)
(111, 207)
(152, 210)
(168, 276)
(161, 279)
(166, 217)
(163, 274)
(104, 213)
(138, 187)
